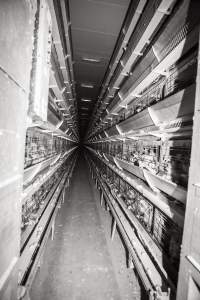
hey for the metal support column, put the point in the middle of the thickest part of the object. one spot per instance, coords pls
(189, 272)
(101, 199)
(113, 229)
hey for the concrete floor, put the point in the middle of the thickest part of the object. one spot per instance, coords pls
(82, 263)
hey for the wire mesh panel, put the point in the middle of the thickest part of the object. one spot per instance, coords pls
(168, 235)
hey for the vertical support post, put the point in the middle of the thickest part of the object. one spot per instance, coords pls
(107, 206)
(52, 229)
(63, 195)
(41, 259)
(130, 261)
(102, 198)
(189, 271)
(98, 186)
(153, 221)
(113, 229)
(59, 204)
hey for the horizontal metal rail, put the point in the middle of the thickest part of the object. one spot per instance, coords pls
(146, 269)
(29, 258)
(176, 215)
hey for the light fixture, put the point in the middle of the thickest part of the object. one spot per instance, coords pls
(84, 108)
(86, 100)
(95, 60)
(89, 86)
(136, 95)
(63, 90)
(67, 130)
(59, 100)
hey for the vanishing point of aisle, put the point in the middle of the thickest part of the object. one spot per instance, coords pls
(77, 264)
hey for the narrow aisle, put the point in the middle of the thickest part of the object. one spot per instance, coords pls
(77, 264)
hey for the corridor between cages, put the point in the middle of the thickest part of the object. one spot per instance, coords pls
(81, 262)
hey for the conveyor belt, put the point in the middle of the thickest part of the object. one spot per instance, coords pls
(77, 264)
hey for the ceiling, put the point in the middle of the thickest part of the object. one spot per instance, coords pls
(95, 26)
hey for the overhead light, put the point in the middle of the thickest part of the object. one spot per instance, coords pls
(84, 108)
(59, 100)
(95, 60)
(67, 130)
(89, 86)
(86, 100)
(63, 90)
(136, 95)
